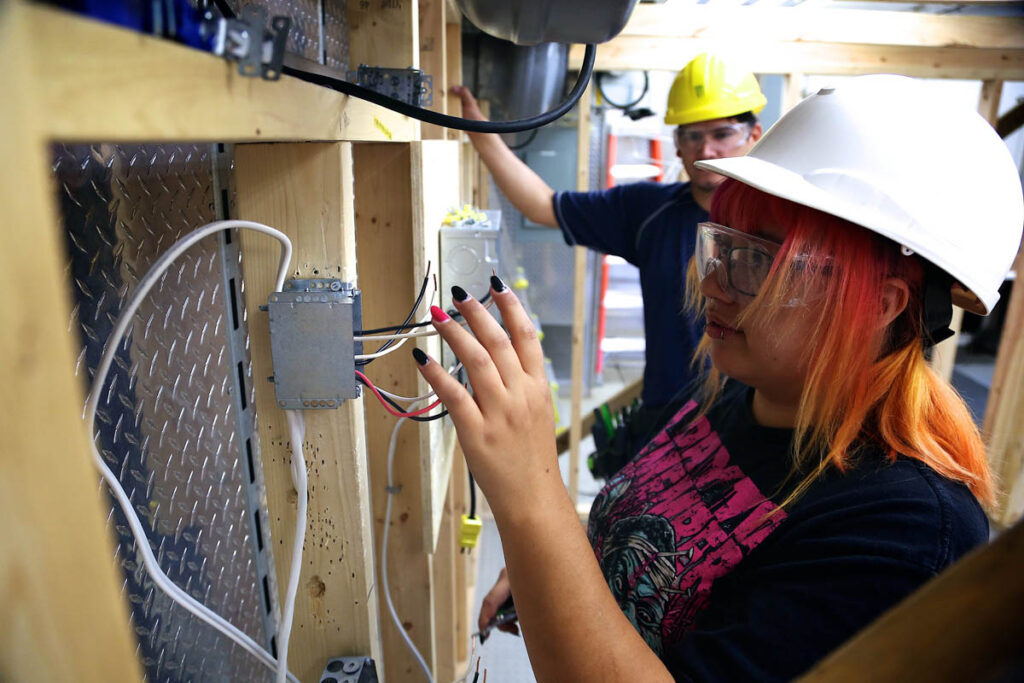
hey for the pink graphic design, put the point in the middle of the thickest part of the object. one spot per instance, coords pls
(673, 521)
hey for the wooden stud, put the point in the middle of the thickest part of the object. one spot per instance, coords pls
(453, 64)
(794, 91)
(579, 299)
(64, 618)
(305, 190)
(964, 625)
(445, 590)
(732, 25)
(434, 60)
(384, 33)
(165, 91)
(655, 53)
(465, 583)
(391, 268)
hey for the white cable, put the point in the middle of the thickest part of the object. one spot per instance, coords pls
(297, 427)
(156, 574)
(378, 354)
(414, 399)
(384, 555)
(411, 335)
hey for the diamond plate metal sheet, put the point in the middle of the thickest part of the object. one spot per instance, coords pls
(167, 423)
(306, 36)
(336, 45)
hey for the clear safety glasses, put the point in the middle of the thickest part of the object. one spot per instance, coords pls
(724, 138)
(740, 260)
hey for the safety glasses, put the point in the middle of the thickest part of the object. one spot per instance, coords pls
(740, 260)
(723, 138)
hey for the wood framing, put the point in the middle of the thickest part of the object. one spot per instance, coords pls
(392, 264)
(453, 64)
(964, 625)
(729, 24)
(579, 299)
(60, 597)
(434, 60)
(664, 53)
(169, 92)
(305, 190)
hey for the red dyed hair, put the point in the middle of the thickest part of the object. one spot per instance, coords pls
(862, 387)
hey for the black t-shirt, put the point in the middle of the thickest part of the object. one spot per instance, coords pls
(725, 586)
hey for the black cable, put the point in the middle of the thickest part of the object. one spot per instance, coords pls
(472, 496)
(470, 125)
(408, 319)
(396, 328)
(600, 90)
(524, 145)
(414, 418)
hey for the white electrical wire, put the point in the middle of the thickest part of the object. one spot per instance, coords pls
(378, 354)
(156, 574)
(415, 399)
(297, 427)
(412, 335)
(384, 555)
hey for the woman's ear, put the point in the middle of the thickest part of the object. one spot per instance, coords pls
(895, 295)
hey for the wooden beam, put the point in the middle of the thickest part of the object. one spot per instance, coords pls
(616, 403)
(794, 91)
(434, 60)
(164, 91)
(732, 24)
(64, 617)
(579, 299)
(446, 600)
(964, 625)
(453, 64)
(465, 577)
(662, 53)
(392, 264)
(1010, 121)
(305, 190)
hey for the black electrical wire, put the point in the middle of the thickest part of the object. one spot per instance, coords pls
(414, 418)
(643, 93)
(470, 125)
(472, 496)
(455, 122)
(398, 328)
(523, 145)
(408, 319)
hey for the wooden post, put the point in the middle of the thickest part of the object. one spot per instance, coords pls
(794, 91)
(305, 190)
(434, 60)
(64, 618)
(579, 301)
(453, 64)
(392, 264)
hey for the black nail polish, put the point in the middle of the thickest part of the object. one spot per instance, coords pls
(496, 284)
(420, 357)
(459, 294)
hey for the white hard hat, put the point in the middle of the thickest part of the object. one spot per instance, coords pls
(882, 152)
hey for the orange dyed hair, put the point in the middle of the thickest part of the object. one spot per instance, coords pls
(865, 384)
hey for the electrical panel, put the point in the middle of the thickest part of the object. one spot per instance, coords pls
(312, 324)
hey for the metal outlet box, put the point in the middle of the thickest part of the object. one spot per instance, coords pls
(311, 342)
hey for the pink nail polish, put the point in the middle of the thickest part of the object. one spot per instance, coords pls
(438, 315)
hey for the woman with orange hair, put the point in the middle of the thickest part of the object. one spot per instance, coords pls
(822, 472)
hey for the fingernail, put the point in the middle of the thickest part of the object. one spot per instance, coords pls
(420, 357)
(459, 294)
(438, 315)
(496, 284)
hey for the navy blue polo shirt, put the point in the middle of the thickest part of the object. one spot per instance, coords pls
(654, 227)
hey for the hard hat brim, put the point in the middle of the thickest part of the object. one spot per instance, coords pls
(781, 182)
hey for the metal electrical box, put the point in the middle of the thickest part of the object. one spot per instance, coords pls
(312, 323)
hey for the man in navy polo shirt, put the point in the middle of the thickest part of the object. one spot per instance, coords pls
(651, 225)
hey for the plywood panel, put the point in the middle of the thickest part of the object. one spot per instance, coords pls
(305, 190)
(64, 618)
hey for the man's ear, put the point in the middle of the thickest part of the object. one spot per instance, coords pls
(756, 132)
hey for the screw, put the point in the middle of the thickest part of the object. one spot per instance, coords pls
(351, 667)
(271, 379)
(335, 286)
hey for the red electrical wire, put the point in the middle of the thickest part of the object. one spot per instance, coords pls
(368, 383)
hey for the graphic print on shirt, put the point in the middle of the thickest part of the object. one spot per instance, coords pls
(673, 521)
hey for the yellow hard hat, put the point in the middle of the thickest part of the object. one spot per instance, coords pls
(709, 88)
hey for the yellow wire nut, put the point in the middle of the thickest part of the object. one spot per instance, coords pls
(469, 531)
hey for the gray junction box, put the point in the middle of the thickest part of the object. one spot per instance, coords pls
(312, 325)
